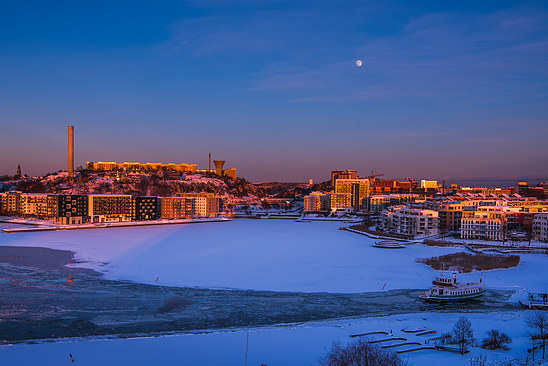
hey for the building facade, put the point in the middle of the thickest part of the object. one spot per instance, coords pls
(177, 207)
(540, 226)
(145, 208)
(71, 209)
(110, 207)
(357, 188)
(411, 221)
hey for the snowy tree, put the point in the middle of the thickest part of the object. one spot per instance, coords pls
(360, 353)
(496, 340)
(462, 333)
(538, 323)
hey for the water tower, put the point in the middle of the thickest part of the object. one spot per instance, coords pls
(219, 167)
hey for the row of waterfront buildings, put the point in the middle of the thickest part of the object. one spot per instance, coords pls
(488, 214)
(485, 219)
(103, 208)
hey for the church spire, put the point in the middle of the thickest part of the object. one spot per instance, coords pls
(18, 171)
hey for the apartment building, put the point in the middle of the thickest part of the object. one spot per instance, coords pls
(11, 203)
(486, 223)
(71, 209)
(177, 207)
(110, 207)
(359, 189)
(207, 206)
(540, 226)
(411, 221)
(40, 205)
(145, 208)
(317, 201)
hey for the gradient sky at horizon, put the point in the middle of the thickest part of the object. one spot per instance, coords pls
(448, 90)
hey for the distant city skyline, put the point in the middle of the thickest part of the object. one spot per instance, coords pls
(455, 91)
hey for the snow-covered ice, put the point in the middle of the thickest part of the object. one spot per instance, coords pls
(263, 255)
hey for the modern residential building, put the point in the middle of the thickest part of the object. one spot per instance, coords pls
(36, 205)
(206, 205)
(145, 208)
(357, 188)
(11, 203)
(177, 207)
(313, 202)
(71, 209)
(340, 201)
(317, 202)
(110, 207)
(450, 217)
(487, 223)
(540, 226)
(410, 221)
(341, 174)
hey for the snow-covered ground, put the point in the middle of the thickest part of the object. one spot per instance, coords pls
(288, 345)
(263, 255)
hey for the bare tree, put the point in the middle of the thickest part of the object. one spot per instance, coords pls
(538, 322)
(462, 333)
(360, 353)
(496, 340)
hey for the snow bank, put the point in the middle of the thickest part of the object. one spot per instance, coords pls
(291, 345)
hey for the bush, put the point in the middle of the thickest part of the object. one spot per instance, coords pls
(360, 353)
(496, 340)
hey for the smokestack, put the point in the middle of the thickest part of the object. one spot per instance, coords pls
(71, 152)
(209, 169)
(219, 167)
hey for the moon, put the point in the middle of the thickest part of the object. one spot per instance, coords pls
(359, 63)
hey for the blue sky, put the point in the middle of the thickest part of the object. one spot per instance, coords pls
(447, 90)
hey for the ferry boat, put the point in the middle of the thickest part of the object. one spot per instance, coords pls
(536, 301)
(447, 289)
(389, 244)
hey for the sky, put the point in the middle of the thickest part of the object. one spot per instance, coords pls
(447, 90)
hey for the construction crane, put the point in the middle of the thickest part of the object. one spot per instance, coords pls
(373, 175)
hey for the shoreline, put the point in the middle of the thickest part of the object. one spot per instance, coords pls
(109, 225)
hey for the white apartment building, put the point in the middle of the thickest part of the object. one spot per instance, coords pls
(317, 201)
(540, 226)
(409, 221)
(486, 223)
(313, 202)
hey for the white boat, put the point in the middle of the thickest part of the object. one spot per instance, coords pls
(448, 289)
(389, 244)
(536, 301)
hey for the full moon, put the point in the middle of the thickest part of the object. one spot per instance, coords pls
(359, 63)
